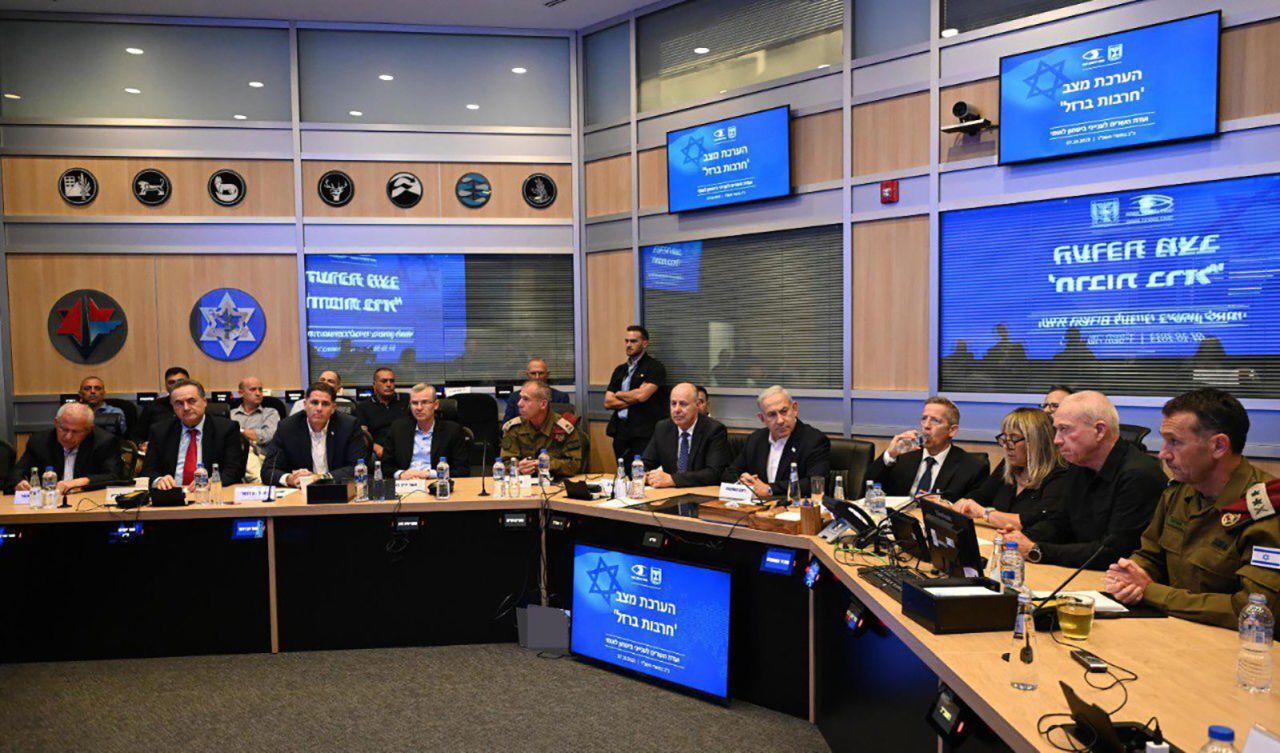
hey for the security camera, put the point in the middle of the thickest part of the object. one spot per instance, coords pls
(970, 121)
(965, 111)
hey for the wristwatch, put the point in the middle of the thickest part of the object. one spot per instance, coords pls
(1035, 554)
(986, 513)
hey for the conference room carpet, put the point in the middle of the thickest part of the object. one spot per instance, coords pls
(456, 698)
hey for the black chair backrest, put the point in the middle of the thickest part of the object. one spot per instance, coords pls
(448, 410)
(8, 456)
(277, 405)
(127, 406)
(737, 440)
(218, 409)
(1135, 434)
(109, 422)
(479, 413)
(850, 459)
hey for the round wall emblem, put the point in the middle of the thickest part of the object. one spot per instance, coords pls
(227, 324)
(473, 190)
(226, 188)
(404, 190)
(87, 326)
(77, 186)
(539, 191)
(151, 187)
(336, 188)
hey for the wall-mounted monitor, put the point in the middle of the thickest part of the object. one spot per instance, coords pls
(664, 620)
(1132, 88)
(730, 161)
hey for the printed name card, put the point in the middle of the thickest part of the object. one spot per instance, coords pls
(252, 493)
(22, 498)
(736, 492)
(408, 486)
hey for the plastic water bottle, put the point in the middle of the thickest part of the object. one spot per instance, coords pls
(637, 478)
(1257, 630)
(1022, 650)
(49, 488)
(499, 478)
(1012, 569)
(544, 468)
(1221, 740)
(876, 503)
(378, 491)
(620, 481)
(200, 485)
(362, 481)
(513, 478)
(837, 491)
(793, 486)
(442, 479)
(997, 551)
(215, 487)
(37, 493)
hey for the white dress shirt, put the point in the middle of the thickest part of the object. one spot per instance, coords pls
(69, 463)
(185, 440)
(776, 446)
(941, 458)
(319, 449)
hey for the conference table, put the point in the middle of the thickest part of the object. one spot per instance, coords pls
(90, 581)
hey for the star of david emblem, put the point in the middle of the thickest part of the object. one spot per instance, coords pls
(693, 150)
(226, 324)
(610, 587)
(1058, 79)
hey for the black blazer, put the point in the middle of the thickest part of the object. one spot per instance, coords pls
(447, 441)
(290, 449)
(961, 474)
(807, 447)
(98, 458)
(641, 417)
(220, 443)
(709, 452)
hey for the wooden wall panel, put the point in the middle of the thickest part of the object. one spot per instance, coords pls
(891, 134)
(608, 186)
(37, 282)
(983, 94)
(272, 280)
(891, 304)
(31, 187)
(1250, 70)
(653, 178)
(611, 300)
(507, 201)
(601, 459)
(371, 189)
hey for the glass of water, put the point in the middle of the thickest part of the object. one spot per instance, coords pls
(817, 485)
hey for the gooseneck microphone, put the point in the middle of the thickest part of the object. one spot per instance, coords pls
(484, 464)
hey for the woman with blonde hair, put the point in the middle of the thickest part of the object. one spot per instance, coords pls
(1027, 485)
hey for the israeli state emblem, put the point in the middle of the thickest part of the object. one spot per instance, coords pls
(227, 324)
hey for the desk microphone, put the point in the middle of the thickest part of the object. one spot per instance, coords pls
(1070, 578)
(484, 462)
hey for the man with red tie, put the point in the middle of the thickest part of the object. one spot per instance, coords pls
(192, 438)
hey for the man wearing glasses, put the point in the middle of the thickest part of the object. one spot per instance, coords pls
(1054, 397)
(925, 461)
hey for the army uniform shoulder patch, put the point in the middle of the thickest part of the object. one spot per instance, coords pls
(565, 425)
(512, 423)
(1258, 503)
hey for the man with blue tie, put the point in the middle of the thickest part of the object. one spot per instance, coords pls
(416, 445)
(688, 449)
(927, 461)
(175, 447)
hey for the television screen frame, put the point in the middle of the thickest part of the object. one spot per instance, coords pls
(1217, 104)
(790, 163)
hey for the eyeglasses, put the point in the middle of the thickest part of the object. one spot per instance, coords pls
(1004, 440)
(1049, 407)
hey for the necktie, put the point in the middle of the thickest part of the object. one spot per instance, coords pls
(682, 462)
(189, 464)
(926, 481)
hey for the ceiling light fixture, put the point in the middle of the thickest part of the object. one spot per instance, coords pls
(473, 107)
(256, 84)
(133, 50)
(948, 33)
(354, 113)
(10, 95)
(238, 116)
(386, 77)
(824, 66)
(132, 90)
(701, 50)
(519, 70)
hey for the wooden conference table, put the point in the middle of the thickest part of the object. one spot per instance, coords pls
(427, 572)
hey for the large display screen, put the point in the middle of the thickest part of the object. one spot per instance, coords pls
(659, 618)
(1143, 86)
(1139, 292)
(730, 161)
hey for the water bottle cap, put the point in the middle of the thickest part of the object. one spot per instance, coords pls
(361, 460)
(48, 468)
(1010, 545)
(1257, 599)
(1219, 732)
(199, 465)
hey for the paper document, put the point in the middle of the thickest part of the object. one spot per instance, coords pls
(788, 515)
(1102, 603)
(947, 592)
(893, 503)
(613, 503)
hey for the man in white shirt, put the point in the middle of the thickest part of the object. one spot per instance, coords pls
(764, 464)
(416, 445)
(315, 444)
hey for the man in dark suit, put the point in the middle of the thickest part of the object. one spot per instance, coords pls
(318, 442)
(938, 467)
(634, 396)
(415, 445)
(765, 461)
(688, 449)
(177, 446)
(158, 411)
(77, 451)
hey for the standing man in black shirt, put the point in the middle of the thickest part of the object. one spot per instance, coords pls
(634, 396)
(1108, 496)
(383, 409)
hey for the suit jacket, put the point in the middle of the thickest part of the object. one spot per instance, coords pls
(220, 443)
(447, 441)
(97, 459)
(807, 447)
(960, 475)
(291, 449)
(709, 452)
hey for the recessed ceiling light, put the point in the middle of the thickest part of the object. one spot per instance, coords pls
(722, 91)
(133, 50)
(519, 70)
(9, 95)
(701, 50)
(473, 107)
(354, 113)
(947, 33)
(824, 66)
(256, 84)
(131, 90)
(386, 77)
(238, 116)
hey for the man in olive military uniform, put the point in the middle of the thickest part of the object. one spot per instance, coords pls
(1215, 535)
(536, 429)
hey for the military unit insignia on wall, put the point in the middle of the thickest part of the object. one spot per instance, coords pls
(539, 191)
(404, 190)
(151, 187)
(227, 324)
(226, 188)
(87, 326)
(336, 188)
(77, 186)
(473, 190)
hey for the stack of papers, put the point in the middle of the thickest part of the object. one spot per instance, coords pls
(1102, 603)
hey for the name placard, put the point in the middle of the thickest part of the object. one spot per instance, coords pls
(22, 498)
(736, 492)
(252, 493)
(409, 486)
